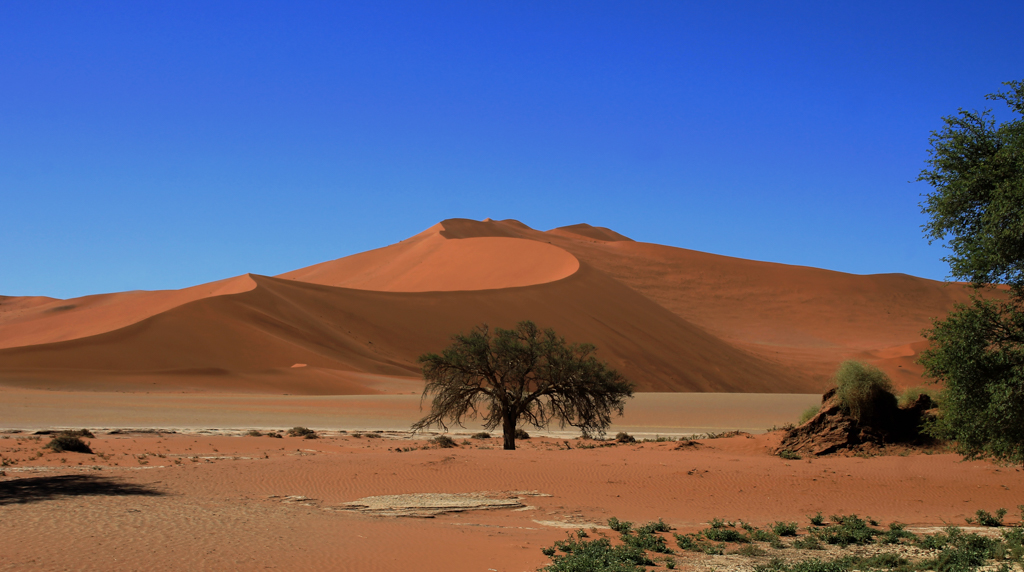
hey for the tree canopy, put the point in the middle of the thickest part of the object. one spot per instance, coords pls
(521, 375)
(977, 208)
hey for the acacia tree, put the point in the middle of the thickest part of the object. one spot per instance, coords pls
(977, 209)
(521, 375)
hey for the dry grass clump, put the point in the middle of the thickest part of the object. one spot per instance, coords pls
(862, 389)
(69, 441)
(303, 432)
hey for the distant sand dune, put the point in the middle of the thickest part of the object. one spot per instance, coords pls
(670, 319)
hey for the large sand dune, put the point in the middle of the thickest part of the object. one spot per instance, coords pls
(670, 319)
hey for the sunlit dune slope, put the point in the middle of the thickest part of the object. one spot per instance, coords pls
(283, 322)
(33, 320)
(430, 261)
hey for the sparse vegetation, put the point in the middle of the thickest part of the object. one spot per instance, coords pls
(304, 432)
(911, 394)
(985, 518)
(861, 389)
(808, 413)
(68, 441)
(481, 435)
(253, 433)
(817, 519)
(444, 442)
(521, 433)
(790, 455)
(623, 437)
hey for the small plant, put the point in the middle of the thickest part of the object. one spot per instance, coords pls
(848, 530)
(620, 526)
(521, 434)
(302, 432)
(809, 542)
(760, 535)
(481, 435)
(896, 533)
(790, 455)
(750, 551)
(987, 519)
(652, 527)
(623, 437)
(670, 563)
(274, 435)
(594, 555)
(253, 433)
(62, 442)
(808, 414)
(817, 519)
(444, 442)
(911, 394)
(784, 528)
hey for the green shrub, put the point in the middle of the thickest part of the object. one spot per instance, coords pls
(750, 551)
(722, 534)
(302, 432)
(691, 543)
(623, 437)
(763, 535)
(522, 434)
(817, 519)
(784, 528)
(646, 541)
(910, 395)
(620, 526)
(809, 542)
(985, 518)
(848, 530)
(444, 442)
(860, 388)
(790, 455)
(594, 556)
(481, 435)
(896, 532)
(70, 442)
(808, 413)
(652, 527)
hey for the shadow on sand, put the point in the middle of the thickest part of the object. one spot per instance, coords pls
(35, 489)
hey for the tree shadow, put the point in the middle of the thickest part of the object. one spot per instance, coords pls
(35, 489)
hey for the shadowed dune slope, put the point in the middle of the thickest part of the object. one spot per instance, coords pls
(283, 322)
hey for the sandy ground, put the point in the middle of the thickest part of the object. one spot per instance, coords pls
(214, 502)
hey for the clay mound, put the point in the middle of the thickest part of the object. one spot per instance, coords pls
(592, 232)
(432, 262)
(37, 320)
(285, 322)
(832, 430)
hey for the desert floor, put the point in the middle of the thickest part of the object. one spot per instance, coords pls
(217, 500)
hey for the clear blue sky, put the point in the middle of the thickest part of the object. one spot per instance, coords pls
(148, 145)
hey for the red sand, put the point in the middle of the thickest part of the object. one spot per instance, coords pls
(222, 501)
(668, 318)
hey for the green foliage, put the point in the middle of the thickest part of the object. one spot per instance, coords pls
(652, 527)
(808, 414)
(594, 556)
(847, 530)
(985, 518)
(68, 441)
(910, 395)
(784, 528)
(860, 389)
(750, 551)
(620, 526)
(790, 455)
(977, 209)
(897, 532)
(817, 519)
(719, 532)
(977, 206)
(692, 543)
(522, 375)
(304, 432)
(809, 542)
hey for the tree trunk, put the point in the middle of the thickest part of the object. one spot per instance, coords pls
(508, 425)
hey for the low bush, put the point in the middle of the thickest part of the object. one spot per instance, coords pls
(444, 442)
(722, 534)
(78, 433)
(861, 389)
(691, 543)
(620, 526)
(253, 433)
(652, 527)
(784, 528)
(302, 432)
(790, 455)
(809, 542)
(984, 518)
(594, 555)
(750, 551)
(910, 395)
(623, 437)
(481, 435)
(848, 530)
(817, 519)
(808, 413)
(522, 434)
(69, 442)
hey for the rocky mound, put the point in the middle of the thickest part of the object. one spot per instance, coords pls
(833, 429)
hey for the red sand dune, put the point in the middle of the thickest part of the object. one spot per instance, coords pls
(670, 319)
